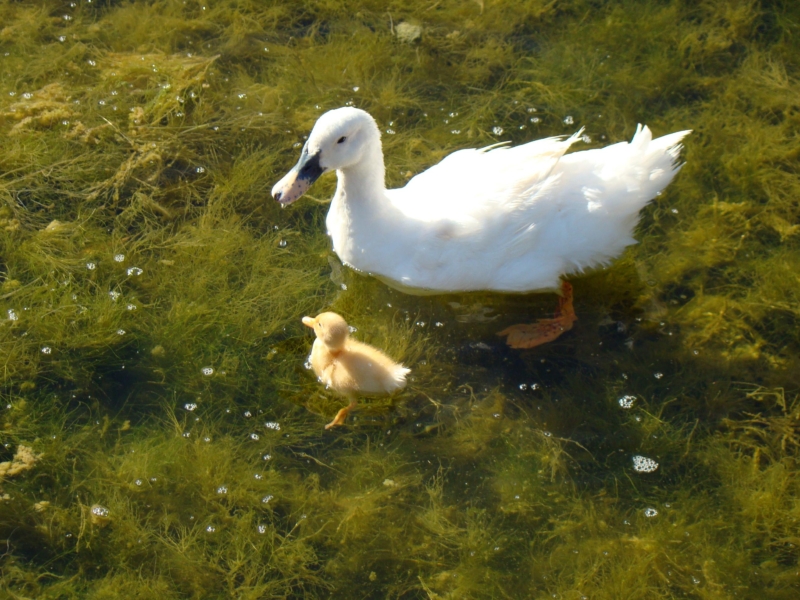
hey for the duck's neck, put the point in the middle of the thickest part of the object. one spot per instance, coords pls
(364, 182)
(360, 209)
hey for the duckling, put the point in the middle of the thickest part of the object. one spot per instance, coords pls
(350, 367)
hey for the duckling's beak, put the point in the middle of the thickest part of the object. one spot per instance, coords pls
(309, 322)
(297, 181)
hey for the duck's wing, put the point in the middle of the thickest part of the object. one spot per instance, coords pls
(469, 186)
(370, 371)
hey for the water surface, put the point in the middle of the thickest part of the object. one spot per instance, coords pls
(169, 442)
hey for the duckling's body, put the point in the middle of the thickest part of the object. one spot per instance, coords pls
(349, 367)
(357, 369)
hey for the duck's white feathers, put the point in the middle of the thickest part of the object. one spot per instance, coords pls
(504, 219)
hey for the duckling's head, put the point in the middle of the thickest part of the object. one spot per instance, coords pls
(330, 328)
(341, 138)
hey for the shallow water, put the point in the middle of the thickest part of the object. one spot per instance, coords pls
(169, 441)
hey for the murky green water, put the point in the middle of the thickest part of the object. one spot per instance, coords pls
(169, 442)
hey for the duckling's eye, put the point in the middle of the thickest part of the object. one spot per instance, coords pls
(342, 140)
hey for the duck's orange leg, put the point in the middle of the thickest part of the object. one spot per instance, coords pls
(341, 416)
(544, 330)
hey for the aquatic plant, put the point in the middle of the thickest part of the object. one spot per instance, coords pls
(151, 293)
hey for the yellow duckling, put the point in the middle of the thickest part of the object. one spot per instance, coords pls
(350, 367)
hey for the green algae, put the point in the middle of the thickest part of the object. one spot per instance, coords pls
(151, 295)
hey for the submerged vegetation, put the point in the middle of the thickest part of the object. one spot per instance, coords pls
(161, 437)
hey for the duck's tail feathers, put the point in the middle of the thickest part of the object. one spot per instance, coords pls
(576, 136)
(646, 167)
(398, 375)
(669, 144)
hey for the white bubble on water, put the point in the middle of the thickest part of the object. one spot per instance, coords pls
(626, 401)
(650, 512)
(642, 464)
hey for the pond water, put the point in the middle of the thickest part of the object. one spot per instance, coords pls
(162, 437)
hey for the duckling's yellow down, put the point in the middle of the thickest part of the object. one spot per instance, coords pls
(350, 367)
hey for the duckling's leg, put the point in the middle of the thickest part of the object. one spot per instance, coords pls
(544, 330)
(340, 417)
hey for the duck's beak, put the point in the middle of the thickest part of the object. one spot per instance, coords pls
(297, 181)
(308, 322)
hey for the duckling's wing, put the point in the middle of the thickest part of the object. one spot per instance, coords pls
(469, 186)
(369, 370)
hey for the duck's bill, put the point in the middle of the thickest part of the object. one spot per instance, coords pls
(308, 322)
(297, 181)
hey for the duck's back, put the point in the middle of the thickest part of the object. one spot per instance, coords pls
(362, 369)
(513, 219)
(469, 185)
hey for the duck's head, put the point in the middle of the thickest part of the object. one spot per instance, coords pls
(338, 140)
(330, 328)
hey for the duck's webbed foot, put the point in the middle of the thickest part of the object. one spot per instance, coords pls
(341, 416)
(544, 330)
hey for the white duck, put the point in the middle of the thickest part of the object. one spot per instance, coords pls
(505, 219)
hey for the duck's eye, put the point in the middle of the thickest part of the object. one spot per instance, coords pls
(342, 140)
